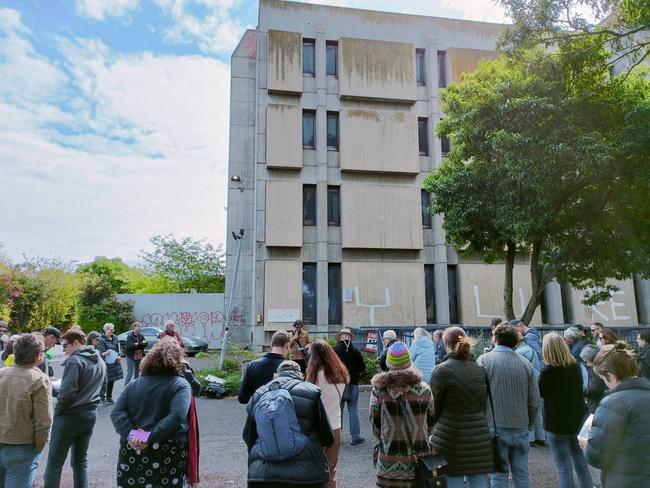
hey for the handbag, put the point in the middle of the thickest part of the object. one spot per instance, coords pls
(500, 465)
(430, 468)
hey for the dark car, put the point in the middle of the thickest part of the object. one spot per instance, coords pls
(192, 344)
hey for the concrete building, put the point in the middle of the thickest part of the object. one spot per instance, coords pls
(332, 132)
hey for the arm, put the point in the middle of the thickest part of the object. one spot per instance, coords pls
(544, 383)
(250, 428)
(533, 396)
(130, 344)
(120, 413)
(359, 363)
(245, 390)
(69, 387)
(438, 387)
(382, 360)
(375, 414)
(178, 408)
(42, 410)
(606, 436)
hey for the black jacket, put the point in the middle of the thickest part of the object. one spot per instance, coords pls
(258, 373)
(619, 440)
(595, 390)
(352, 359)
(308, 467)
(564, 405)
(644, 362)
(384, 353)
(461, 431)
(131, 347)
(82, 380)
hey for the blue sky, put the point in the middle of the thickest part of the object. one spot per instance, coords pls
(114, 118)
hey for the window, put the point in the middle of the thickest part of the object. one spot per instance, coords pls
(333, 206)
(442, 69)
(429, 293)
(309, 293)
(453, 294)
(423, 137)
(333, 131)
(419, 66)
(331, 58)
(426, 203)
(445, 145)
(308, 204)
(308, 56)
(308, 129)
(334, 294)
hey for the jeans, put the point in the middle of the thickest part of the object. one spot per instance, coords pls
(132, 370)
(537, 434)
(514, 446)
(568, 456)
(18, 465)
(70, 431)
(107, 391)
(351, 397)
(473, 481)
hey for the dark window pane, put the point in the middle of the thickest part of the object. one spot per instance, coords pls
(429, 293)
(426, 203)
(332, 130)
(444, 145)
(331, 54)
(309, 293)
(453, 294)
(419, 66)
(442, 69)
(333, 206)
(308, 50)
(309, 204)
(334, 294)
(423, 137)
(308, 129)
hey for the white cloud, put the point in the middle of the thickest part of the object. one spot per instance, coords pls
(101, 9)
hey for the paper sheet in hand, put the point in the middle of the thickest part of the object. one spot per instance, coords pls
(111, 357)
(141, 435)
(586, 427)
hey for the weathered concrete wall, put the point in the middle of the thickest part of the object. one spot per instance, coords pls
(284, 213)
(618, 311)
(466, 60)
(377, 70)
(282, 293)
(283, 136)
(379, 139)
(284, 73)
(395, 290)
(380, 216)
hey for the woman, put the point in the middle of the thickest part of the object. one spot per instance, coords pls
(326, 371)
(618, 439)
(560, 386)
(398, 391)
(92, 339)
(595, 390)
(423, 353)
(108, 347)
(461, 432)
(8, 352)
(607, 336)
(157, 403)
(135, 345)
(643, 338)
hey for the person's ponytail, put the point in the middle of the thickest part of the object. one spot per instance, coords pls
(464, 347)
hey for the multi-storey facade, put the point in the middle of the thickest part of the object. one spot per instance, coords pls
(332, 132)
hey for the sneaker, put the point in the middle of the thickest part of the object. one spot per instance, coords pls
(360, 440)
(540, 443)
(110, 401)
(532, 444)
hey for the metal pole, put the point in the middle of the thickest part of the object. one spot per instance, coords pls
(224, 343)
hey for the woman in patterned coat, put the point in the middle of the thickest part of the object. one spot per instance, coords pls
(401, 383)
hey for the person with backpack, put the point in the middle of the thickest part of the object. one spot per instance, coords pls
(285, 432)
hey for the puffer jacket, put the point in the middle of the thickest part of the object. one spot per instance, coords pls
(310, 466)
(619, 440)
(461, 432)
(423, 355)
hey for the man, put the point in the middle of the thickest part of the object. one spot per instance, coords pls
(298, 344)
(169, 331)
(516, 399)
(388, 338)
(308, 468)
(261, 371)
(353, 360)
(439, 345)
(135, 344)
(537, 436)
(25, 413)
(530, 336)
(596, 328)
(574, 341)
(75, 412)
(51, 337)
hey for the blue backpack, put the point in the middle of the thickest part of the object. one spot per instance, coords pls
(280, 435)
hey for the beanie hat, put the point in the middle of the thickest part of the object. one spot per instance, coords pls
(398, 356)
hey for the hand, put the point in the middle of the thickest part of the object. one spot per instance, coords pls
(119, 360)
(582, 441)
(137, 443)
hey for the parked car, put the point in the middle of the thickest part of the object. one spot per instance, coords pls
(192, 344)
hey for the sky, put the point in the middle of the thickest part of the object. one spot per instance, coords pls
(114, 118)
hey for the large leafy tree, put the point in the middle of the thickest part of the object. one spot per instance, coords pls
(550, 159)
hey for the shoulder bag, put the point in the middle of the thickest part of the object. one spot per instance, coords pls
(500, 465)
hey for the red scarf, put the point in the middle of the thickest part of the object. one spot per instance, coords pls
(193, 446)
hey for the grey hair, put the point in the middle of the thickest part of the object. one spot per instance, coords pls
(571, 333)
(389, 334)
(108, 325)
(27, 348)
(419, 333)
(92, 336)
(170, 322)
(589, 352)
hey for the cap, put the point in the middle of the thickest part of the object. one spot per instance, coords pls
(398, 356)
(53, 331)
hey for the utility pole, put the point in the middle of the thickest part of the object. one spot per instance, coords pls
(238, 238)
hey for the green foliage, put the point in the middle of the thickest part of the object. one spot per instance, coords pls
(231, 366)
(191, 265)
(232, 380)
(99, 305)
(372, 368)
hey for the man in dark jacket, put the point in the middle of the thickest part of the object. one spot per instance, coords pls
(389, 338)
(261, 371)
(308, 469)
(75, 412)
(135, 344)
(353, 360)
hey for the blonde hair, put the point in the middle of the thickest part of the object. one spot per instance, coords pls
(555, 352)
(419, 333)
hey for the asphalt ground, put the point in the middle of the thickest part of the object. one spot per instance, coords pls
(223, 452)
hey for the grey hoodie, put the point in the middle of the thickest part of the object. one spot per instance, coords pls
(83, 377)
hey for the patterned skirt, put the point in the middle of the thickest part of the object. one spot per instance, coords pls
(162, 464)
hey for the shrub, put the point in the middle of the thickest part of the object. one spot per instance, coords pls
(231, 383)
(372, 368)
(231, 366)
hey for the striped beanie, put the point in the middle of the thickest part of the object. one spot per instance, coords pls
(398, 356)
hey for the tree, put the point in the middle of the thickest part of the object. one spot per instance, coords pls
(191, 265)
(550, 159)
(98, 305)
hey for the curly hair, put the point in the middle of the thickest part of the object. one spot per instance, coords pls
(165, 357)
(322, 356)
